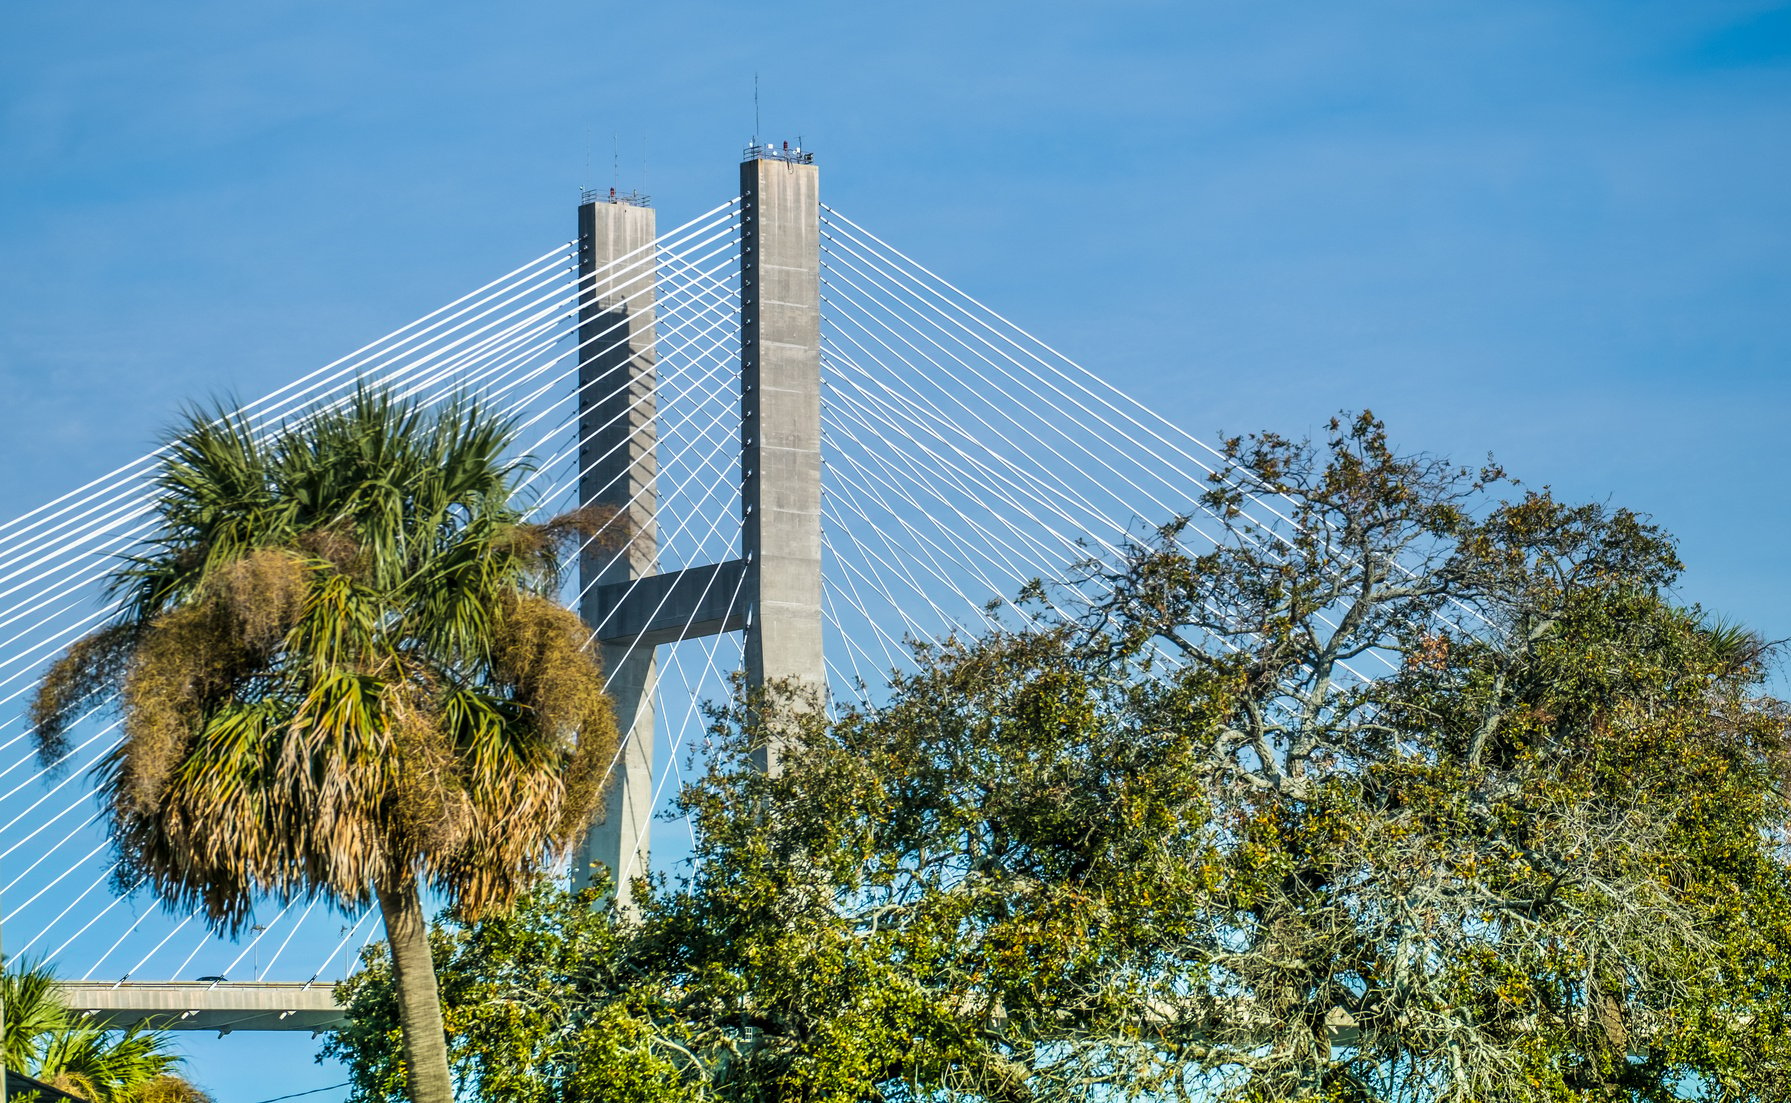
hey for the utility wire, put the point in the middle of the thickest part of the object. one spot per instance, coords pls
(313, 1091)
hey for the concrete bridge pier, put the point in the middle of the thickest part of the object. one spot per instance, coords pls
(780, 424)
(633, 606)
(617, 427)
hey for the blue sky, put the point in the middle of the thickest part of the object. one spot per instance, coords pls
(1559, 232)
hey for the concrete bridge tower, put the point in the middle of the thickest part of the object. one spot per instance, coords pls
(778, 573)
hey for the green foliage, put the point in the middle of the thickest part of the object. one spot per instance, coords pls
(538, 1006)
(1174, 845)
(54, 1045)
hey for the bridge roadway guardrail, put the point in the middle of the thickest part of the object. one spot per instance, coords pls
(222, 1006)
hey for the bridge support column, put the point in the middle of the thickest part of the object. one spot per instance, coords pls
(631, 606)
(780, 423)
(618, 469)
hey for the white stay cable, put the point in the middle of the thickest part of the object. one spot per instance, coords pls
(99, 569)
(347, 933)
(60, 877)
(493, 333)
(970, 470)
(56, 954)
(254, 942)
(494, 343)
(680, 330)
(63, 914)
(1037, 484)
(126, 489)
(484, 345)
(26, 522)
(1166, 508)
(664, 336)
(180, 970)
(841, 491)
(628, 652)
(709, 669)
(847, 585)
(1013, 401)
(715, 463)
(917, 630)
(890, 264)
(918, 466)
(42, 858)
(849, 231)
(895, 649)
(697, 440)
(96, 567)
(448, 348)
(139, 966)
(135, 969)
(118, 532)
(297, 925)
(947, 540)
(64, 783)
(854, 651)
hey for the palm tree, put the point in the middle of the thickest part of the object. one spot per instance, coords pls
(341, 675)
(1734, 647)
(60, 1049)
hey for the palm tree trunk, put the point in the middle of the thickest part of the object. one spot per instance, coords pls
(419, 1003)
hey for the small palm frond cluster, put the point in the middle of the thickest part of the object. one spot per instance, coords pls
(340, 662)
(59, 1047)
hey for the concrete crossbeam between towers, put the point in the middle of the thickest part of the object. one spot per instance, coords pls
(677, 605)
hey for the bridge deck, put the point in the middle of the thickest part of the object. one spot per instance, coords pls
(223, 1007)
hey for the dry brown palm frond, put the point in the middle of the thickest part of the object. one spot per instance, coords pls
(604, 526)
(532, 766)
(335, 545)
(584, 777)
(506, 849)
(264, 593)
(171, 1089)
(263, 801)
(503, 855)
(429, 806)
(183, 659)
(543, 548)
(310, 696)
(74, 1083)
(543, 650)
(338, 764)
(91, 666)
(216, 835)
(532, 544)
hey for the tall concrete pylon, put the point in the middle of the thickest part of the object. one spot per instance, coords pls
(773, 591)
(780, 424)
(618, 469)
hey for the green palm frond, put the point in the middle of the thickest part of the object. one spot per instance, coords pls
(34, 1010)
(61, 1048)
(105, 1066)
(1734, 647)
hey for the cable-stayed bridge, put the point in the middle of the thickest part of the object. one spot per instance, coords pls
(825, 451)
